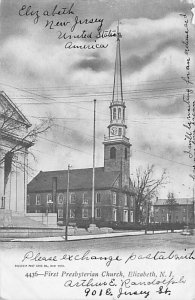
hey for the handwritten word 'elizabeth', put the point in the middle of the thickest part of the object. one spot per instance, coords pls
(29, 11)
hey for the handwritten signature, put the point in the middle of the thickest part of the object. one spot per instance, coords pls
(190, 104)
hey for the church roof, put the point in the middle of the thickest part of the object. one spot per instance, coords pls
(80, 179)
(179, 201)
(18, 116)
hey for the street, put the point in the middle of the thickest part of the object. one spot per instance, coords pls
(151, 241)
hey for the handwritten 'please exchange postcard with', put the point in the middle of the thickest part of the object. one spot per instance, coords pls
(97, 149)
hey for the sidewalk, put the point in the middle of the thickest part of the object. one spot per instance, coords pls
(90, 236)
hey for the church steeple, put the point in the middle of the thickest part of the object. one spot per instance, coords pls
(117, 127)
(116, 144)
(117, 94)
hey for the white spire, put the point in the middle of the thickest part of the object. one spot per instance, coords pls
(117, 86)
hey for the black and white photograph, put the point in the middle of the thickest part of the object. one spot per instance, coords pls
(97, 149)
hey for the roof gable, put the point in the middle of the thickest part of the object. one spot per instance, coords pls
(116, 183)
(7, 103)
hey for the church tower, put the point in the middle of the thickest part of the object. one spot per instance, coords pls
(116, 144)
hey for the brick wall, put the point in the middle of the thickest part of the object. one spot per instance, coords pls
(179, 213)
(82, 200)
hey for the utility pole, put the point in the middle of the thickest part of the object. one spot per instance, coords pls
(193, 204)
(93, 183)
(25, 181)
(67, 204)
(16, 187)
(10, 189)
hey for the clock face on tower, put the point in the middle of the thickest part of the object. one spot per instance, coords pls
(113, 131)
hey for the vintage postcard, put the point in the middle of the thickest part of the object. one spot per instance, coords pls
(97, 149)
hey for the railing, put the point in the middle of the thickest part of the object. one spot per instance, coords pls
(117, 102)
(116, 138)
(117, 121)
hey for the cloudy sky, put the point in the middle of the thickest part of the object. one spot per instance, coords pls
(45, 79)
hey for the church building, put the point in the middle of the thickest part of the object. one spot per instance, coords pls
(14, 145)
(114, 194)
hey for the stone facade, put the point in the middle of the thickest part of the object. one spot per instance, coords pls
(13, 155)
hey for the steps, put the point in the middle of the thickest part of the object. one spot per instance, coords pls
(23, 221)
(17, 219)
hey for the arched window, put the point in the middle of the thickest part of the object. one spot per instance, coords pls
(111, 114)
(98, 212)
(72, 198)
(114, 198)
(119, 113)
(125, 200)
(38, 199)
(98, 198)
(114, 113)
(123, 114)
(49, 198)
(114, 214)
(120, 131)
(131, 201)
(113, 152)
(72, 213)
(60, 198)
(85, 213)
(125, 153)
(85, 199)
(60, 213)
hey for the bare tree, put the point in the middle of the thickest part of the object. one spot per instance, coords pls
(11, 125)
(23, 133)
(146, 188)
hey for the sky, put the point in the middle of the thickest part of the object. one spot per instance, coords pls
(46, 79)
